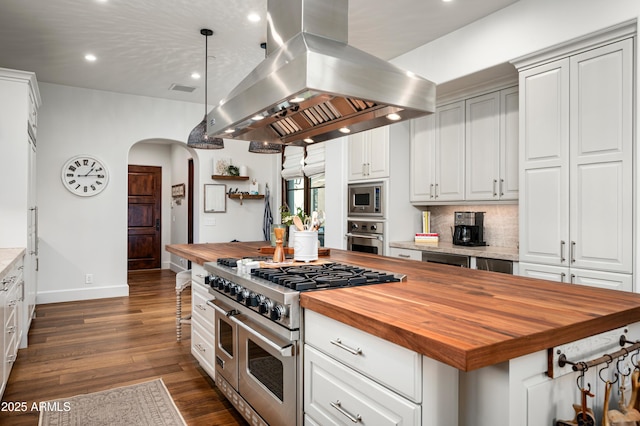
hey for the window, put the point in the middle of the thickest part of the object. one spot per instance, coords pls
(303, 180)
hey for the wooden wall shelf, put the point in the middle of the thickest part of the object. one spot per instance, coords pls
(243, 197)
(246, 196)
(227, 177)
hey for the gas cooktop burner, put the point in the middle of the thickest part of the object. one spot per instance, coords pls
(308, 277)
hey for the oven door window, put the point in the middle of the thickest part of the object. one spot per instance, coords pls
(226, 337)
(265, 368)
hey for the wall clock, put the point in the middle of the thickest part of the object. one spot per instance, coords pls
(85, 175)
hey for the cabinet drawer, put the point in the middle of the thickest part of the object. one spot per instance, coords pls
(198, 273)
(368, 354)
(337, 395)
(405, 253)
(202, 348)
(199, 308)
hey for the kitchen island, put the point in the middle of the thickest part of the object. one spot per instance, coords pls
(499, 328)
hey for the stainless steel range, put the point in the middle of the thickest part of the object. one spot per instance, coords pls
(258, 321)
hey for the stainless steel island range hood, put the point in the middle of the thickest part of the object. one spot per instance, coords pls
(313, 86)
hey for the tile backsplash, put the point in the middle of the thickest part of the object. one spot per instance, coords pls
(500, 222)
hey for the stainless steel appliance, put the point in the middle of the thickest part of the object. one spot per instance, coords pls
(258, 320)
(469, 229)
(365, 236)
(446, 259)
(312, 84)
(366, 199)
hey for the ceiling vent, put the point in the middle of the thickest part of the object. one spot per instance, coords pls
(181, 88)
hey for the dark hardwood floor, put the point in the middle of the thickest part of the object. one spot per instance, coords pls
(88, 346)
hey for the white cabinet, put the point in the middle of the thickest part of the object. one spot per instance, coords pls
(592, 278)
(18, 128)
(202, 322)
(369, 154)
(405, 253)
(11, 290)
(576, 161)
(437, 155)
(491, 146)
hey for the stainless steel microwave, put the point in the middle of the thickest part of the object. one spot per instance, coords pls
(366, 199)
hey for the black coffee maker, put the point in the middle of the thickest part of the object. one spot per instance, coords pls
(469, 229)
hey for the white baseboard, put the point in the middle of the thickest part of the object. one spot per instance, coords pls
(70, 295)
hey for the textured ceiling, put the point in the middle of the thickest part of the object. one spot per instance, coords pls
(145, 46)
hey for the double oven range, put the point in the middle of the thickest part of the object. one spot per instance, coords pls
(258, 322)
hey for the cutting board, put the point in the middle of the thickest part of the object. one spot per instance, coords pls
(322, 251)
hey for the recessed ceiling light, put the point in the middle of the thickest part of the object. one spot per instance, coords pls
(257, 117)
(296, 100)
(344, 130)
(308, 140)
(90, 57)
(253, 17)
(393, 116)
(195, 76)
(446, 1)
(230, 130)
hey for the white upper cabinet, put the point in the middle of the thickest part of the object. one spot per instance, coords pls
(492, 146)
(369, 154)
(437, 155)
(576, 160)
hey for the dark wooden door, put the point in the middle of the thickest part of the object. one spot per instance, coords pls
(144, 221)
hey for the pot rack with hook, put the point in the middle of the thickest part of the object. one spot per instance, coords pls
(606, 358)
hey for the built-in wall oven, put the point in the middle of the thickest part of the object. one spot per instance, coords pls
(258, 320)
(365, 236)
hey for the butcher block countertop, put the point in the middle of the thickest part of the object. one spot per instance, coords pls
(465, 318)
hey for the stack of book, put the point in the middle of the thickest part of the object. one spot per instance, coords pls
(426, 238)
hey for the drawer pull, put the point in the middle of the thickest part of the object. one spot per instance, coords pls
(11, 358)
(200, 347)
(11, 330)
(338, 406)
(201, 307)
(339, 344)
(406, 256)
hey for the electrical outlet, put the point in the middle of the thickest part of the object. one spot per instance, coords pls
(88, 279)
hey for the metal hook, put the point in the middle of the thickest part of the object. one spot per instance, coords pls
(580, 379)
(607, 367)
(622, 358)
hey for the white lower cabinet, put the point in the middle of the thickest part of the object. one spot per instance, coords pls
(11, 290)
(351, 376)
(405, 253)
(338, 395)
(592, 278)
(202, 322)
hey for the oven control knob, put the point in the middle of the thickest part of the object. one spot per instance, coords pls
(264, 306)
(373, 227)
(209, 279)
(354, 226)
(223, 285)
(278, 312)
(251, 299)
(233, 289)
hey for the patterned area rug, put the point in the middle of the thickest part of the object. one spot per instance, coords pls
(143, 404)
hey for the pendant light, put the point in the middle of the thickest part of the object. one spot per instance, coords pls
(265, 147)
(198, 138)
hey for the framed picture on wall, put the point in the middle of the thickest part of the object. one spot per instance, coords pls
(177, 191)
(215, 198)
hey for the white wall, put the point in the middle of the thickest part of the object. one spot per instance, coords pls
(88, 235)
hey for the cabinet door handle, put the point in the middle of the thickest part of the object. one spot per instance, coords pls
(431, 191)
(573, 278)
(338, 406)
(501, 187)
(436, 190)
(200, 347)
(573, 252)
(562, 277)
(495, 184)
(562, 258)
(157, 224)
(341, 345)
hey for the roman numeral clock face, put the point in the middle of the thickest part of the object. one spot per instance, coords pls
(85, 175)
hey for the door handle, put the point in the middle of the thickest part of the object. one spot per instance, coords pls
(157, 224)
